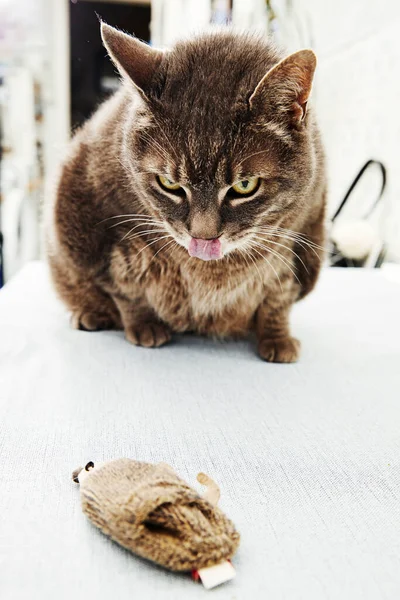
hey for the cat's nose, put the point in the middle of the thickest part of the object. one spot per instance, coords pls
(204, 225)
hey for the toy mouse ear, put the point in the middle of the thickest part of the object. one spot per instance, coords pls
(81, 472)
(134, 59)
(75, 474)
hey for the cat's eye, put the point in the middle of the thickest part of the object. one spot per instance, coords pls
(168, 184)
(246, 186)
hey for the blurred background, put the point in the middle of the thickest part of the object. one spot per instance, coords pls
(54, 72)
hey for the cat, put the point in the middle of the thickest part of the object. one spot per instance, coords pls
(193, 200)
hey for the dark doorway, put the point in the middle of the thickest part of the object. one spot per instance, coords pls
(93, 77)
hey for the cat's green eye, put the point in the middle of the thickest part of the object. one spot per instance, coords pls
(167, 184)
(246, 186)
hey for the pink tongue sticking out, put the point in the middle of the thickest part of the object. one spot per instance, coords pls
(205, 249)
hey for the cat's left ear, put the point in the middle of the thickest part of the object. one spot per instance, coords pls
(134, 59)
(286, 88)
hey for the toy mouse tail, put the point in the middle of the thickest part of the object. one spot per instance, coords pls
(212, 493)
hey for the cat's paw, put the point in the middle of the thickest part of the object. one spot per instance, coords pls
(148, 334)
(284, 350)
(93, 321)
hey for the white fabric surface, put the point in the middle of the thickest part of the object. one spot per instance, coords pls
(307, 455)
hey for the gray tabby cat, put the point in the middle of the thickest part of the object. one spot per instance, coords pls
(194, 199)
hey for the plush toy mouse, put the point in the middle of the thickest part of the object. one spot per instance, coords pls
(149, 510)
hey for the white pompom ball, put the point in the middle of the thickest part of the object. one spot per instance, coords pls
(354, 239)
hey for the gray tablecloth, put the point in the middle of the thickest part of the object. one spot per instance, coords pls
(307, 455)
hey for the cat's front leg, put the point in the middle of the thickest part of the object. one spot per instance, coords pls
(275, 344)
(141, 325)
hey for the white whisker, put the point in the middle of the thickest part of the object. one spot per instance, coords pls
(289, 238)
(155, 145)
(280, 257)
(141, 233)
(247, 253)
(144, 216)
(140, 221)
(270, 264)
(152, 242)
(277, 231)
(283, 246)
(161, 130)
(290, 234)
(162, 248)
(251, 156)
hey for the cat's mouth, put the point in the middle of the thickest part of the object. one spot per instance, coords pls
(202, 248)
(205, 249)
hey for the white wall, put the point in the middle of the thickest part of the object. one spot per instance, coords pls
(357, 93)
(174, 19)
(57, 102)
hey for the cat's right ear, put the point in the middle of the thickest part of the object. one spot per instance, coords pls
(134, 59)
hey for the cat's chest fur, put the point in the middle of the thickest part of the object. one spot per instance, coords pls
(206, 303)
(215, 299)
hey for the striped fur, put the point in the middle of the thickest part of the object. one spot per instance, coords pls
(205, 114)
